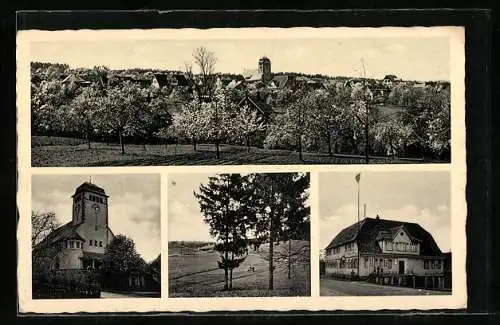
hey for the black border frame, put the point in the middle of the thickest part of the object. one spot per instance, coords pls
(480, 224)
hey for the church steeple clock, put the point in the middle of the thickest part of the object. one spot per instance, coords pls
(90, 206)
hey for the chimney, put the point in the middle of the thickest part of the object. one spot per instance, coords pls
(364, 211)
(377, 217)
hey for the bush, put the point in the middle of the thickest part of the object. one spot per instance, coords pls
(66, 284)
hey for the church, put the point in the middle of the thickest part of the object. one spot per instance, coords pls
(82, 241)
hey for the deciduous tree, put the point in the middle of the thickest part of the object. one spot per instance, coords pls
(85, 112)
(280, 208)
(121, 108)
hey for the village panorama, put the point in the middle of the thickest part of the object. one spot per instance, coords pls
(132, 117)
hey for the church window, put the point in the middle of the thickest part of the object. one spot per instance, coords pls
(71, 244)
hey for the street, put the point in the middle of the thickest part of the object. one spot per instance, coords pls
(332, 287)
(108, 294)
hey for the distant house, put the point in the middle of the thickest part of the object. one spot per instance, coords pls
(72, 82)
(385, 248)
(263, 108)
(262, 73)
(282, 82)
(161, 80)
(420, 85)
(236, 85)
(389, 80)
(252, 75)
(352, 82)
(141, 82)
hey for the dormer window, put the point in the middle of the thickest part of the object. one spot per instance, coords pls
(388, 246)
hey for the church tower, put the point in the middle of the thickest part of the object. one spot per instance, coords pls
(265, 68)
(90, 215)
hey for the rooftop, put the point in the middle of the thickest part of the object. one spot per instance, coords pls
(89, 187)
(369, 230)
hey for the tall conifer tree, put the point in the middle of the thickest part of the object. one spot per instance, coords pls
(224, 202)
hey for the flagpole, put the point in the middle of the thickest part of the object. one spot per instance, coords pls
(358, 199)
(358, 178)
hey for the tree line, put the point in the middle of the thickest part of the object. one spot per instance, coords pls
(270, 207)
(337, 119)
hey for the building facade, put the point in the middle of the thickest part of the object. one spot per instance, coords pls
(82, 242)
(378, 247)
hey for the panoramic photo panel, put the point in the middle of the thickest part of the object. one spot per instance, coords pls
(95, 236)
(241, 235)
(385, 233)
(237, 100)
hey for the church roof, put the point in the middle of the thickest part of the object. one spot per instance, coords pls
(252, 74)
(89, 187)
(369, 230)
(65, 232)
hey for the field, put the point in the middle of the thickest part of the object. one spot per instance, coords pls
(67, 152)
(197, 274)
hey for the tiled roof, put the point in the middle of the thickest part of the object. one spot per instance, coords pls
(89, 187)
(162, 79)
(181, 79)
(65, 232)
(369, 230)
(281, 80)
(258, 104)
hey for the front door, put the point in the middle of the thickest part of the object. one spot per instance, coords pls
(401, 267)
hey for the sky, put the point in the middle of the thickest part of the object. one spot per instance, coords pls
(185, 221)
(411, 58)
(419, 197)
(134, 204)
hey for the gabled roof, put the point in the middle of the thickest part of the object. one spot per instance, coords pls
(281, 81)
(89, 187)
(252, 74)
(181, 79)
(162, 79)
(234, 84)
(75, 78)
(261, 106)
(65, 232)
(369, 230)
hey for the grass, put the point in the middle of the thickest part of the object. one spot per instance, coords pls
(198, 275)
(62, 152)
